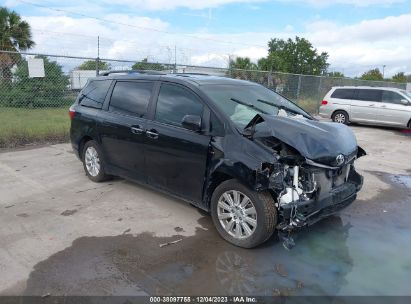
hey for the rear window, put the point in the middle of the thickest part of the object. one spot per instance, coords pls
(343, 94)
(94, 93)
(369, 95)
(131, 97)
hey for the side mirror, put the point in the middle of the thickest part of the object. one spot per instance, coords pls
(405, 102)
(192, 122)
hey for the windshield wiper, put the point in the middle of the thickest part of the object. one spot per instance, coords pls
(250, 105)
(268, 103)
(281, 107)
(82, 95)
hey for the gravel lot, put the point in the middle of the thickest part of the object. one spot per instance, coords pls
(65, 235)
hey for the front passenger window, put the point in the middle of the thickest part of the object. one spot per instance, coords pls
(174, 102)
(391, 97)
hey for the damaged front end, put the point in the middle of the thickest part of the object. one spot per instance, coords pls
(305, 193)
(314, 175)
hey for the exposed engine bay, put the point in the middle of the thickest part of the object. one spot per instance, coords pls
(306, 192)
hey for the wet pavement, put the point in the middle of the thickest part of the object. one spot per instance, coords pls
(365, 250)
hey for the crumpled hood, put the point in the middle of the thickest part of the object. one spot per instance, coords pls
(315, 140)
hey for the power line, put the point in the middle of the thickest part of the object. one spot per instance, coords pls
(139, 27)
(158, 51)
(106, 39)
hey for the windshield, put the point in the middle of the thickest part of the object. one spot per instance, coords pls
(408, 94)
(242, 102)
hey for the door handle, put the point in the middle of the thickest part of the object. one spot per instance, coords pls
(152, 134)
(136, 130)
(383, 106)
(372, 105)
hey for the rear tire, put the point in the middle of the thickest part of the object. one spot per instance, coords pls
(234, 221)
(93, 162)
(340, 117)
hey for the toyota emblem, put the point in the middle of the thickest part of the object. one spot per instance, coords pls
(340, 159)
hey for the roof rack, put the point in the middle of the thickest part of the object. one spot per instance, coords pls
(148, 72)
(188, 74)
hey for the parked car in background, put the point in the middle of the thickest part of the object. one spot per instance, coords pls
(368, 105)
(252, 158)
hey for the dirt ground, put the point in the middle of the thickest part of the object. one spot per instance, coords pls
(62, 234)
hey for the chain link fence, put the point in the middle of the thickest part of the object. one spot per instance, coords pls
(305, 90)
(34, 102)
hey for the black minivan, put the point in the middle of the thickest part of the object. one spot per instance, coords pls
(249, 156)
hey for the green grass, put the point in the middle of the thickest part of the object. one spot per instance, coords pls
(20, 126)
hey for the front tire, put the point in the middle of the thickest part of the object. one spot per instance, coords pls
(93, 162)
(340, 117)
(241, 216)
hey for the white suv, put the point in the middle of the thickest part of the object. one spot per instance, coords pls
(368, 105)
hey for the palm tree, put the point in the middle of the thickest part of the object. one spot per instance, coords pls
(15, 35)
(243, 63)
(241, 67)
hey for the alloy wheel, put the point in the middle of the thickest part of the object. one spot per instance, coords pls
(340, 118)
(237, 214)
(92, 161)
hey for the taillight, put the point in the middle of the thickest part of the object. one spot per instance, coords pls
(71, 113)
(324, 102)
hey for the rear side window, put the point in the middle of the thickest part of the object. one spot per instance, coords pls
(94, 93)
(174, 102)
(131, 97)
(369, 95)
(343, 94)
(391, 97)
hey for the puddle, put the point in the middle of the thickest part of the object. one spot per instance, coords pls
(405, 180)
(348, 254)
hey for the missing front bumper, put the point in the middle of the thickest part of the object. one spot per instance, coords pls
(305, 213)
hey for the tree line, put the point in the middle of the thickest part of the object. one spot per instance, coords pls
(298, 56)
(105, 66)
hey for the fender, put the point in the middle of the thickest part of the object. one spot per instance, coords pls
(251, 164)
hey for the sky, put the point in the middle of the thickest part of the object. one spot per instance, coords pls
(358, 35)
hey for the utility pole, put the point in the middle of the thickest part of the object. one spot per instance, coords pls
(228, 65)
(175, 58)
(383, 70)
(98, 56)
